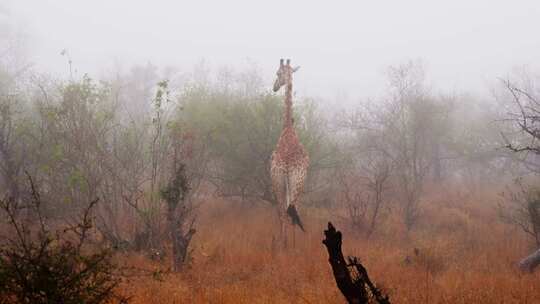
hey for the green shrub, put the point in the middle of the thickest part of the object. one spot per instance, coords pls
(41, 266)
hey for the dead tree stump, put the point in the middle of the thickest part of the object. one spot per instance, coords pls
(530, 262)
(178, 214)
(351, 278)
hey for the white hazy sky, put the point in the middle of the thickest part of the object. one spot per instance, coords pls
(342, 46)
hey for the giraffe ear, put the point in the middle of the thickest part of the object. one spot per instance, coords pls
(296, 69)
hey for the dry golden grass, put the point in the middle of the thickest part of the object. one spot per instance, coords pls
(466, 256)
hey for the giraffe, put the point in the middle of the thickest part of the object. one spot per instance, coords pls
(289, 161)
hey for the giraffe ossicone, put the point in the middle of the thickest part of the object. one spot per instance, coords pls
(289, 161)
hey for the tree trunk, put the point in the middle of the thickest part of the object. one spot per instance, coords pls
(180, 242)
(178, 213)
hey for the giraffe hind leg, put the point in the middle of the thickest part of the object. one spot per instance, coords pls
(296, 177)
(283, 208)
(291, 208)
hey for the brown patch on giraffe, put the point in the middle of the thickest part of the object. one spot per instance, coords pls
(289, 151)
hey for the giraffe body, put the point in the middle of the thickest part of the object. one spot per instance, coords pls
(289, 163)
(288, 168)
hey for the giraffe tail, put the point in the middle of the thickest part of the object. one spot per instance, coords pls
(295, 217)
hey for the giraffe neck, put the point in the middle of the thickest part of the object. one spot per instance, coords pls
(287, 119)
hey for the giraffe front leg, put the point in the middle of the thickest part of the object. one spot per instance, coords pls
(284, 229)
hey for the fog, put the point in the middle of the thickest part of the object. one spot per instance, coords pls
(343, 47)
(165, 152)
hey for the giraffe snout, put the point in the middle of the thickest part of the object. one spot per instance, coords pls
(277, 85)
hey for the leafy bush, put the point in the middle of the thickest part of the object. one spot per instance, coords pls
(38, 265)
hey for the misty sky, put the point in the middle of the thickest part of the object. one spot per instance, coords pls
(342, 46)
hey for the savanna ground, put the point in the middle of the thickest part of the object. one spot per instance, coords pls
(466, 255)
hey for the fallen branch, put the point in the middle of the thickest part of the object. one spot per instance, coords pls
(530, 262)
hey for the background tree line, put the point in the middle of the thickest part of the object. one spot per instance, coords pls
(123, 139)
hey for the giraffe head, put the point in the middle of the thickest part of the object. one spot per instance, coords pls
(284, 74)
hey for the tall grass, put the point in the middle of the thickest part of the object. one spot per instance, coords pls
(465, 255)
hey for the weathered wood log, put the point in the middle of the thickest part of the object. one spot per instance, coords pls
(356, 288)
(530, 262)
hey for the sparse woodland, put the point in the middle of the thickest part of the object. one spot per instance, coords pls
(435, 192)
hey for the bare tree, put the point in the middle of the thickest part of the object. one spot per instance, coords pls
(364, 192)
(377, 178)
(12, 145)
(401, 131)
(408, 119)
(521, 207)
(523, 120)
